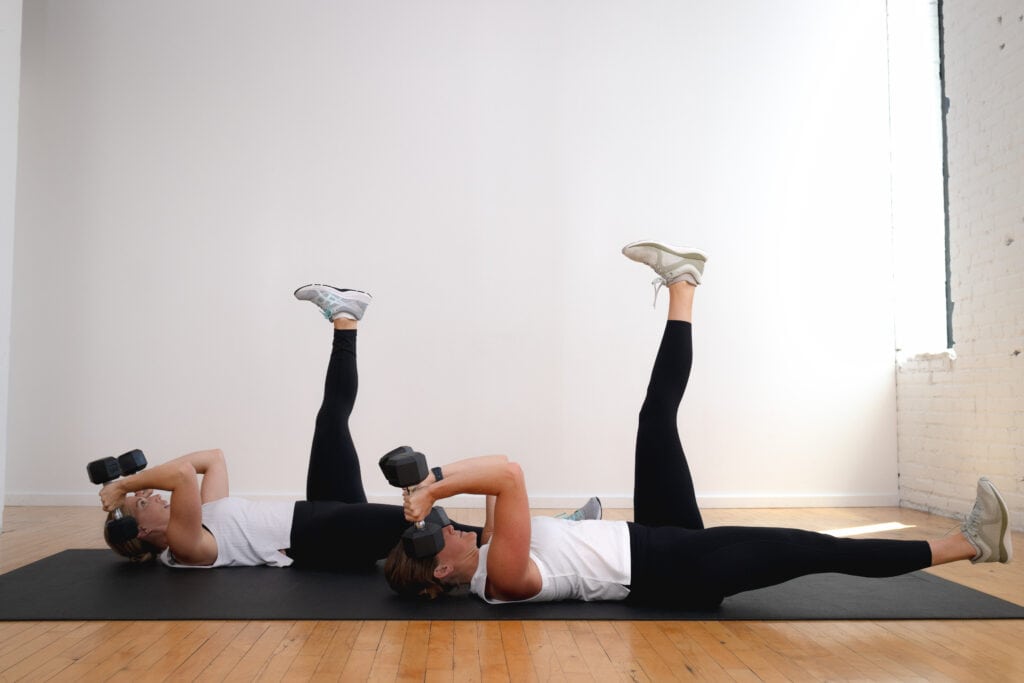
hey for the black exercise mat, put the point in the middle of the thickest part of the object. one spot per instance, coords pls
(96, 584)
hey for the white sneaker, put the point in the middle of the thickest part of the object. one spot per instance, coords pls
(988, 526)
(672, 264)
(591, 510)
(336, 303)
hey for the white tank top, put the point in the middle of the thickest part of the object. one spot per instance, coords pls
(248, 533)
(587, 560)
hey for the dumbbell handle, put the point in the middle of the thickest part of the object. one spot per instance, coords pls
(422, 523)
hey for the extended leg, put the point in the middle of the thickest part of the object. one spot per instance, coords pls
(701, 567)
(731, 560)
(334, 472)
(663, 493)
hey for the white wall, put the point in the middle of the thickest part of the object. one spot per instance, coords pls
(477, 166)
(962, 417)
(10, 69)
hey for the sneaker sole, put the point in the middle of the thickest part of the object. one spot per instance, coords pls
(349, 293)
(681, 252)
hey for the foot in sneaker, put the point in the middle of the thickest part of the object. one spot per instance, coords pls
(987, 528)
(335, 303)
(672, 264)
(590, 510)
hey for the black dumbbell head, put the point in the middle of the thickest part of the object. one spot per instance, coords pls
(404, 467)
(425, 542)
(121, 530)
(131, 462)
(103, 470)
(438, 516)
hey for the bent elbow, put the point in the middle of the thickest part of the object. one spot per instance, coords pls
(514, 474)
(186, 472)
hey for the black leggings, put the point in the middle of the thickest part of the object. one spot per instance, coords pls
(335, 528)
(675, 559)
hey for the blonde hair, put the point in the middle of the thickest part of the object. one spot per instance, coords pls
(135, 549)
(412, 578)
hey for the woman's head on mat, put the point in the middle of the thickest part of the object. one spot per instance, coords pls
(431, 576)
(152, 514)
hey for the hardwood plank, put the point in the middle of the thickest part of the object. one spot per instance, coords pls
(308, 658)
(281, 659)
(389, 652)
(762, 658)
(598, 664)
(413, 664)
(492, 655)
(696, 659)
(362, 649)
(43, 662)
(204, 655)
(570, 660)
(228, 658)
(466, 651)
(138, 659)
(671, 662)
(104, 660)
(441, 651)
(177, 652)
(517, 651)
(620, 651)
(252, 663)
(835, 654)
(33, 638)
(653, 665)
(542, 652)
(334, 658)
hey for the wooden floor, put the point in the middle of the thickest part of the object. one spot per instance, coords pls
(513, 650)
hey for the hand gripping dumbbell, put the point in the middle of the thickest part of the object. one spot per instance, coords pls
(106, 470)
(405, 468)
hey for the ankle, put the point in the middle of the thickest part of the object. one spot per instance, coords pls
(952, 549)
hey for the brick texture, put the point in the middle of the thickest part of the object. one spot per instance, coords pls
(963, 417)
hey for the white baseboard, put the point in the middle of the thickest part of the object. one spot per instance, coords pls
(611, 501)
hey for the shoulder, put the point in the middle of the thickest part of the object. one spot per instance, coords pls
(200, 552)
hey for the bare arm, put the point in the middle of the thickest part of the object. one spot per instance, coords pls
(511, 574)
(186, 537)
(485, 536)
(211, 464)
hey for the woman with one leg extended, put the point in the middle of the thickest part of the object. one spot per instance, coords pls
(333, 528)
(666, 555)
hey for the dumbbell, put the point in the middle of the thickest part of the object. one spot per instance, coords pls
(105, 470)
(405, 468)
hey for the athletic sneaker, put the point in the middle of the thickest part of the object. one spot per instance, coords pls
(336, 303)
(590, 510)
(672, 264)
(988, 526)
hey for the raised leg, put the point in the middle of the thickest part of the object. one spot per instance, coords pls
(663, 492)
(334, 472)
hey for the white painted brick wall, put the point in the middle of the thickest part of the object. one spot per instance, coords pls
(964, 417)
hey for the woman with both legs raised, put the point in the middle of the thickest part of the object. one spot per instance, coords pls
(666, 555)
(333, 528)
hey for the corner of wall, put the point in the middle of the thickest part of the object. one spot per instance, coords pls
(960, 416)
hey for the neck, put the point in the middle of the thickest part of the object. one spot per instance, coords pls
(465, 570)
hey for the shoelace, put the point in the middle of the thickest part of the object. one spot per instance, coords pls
(658, 283)
(970, 527)
(973, 520)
